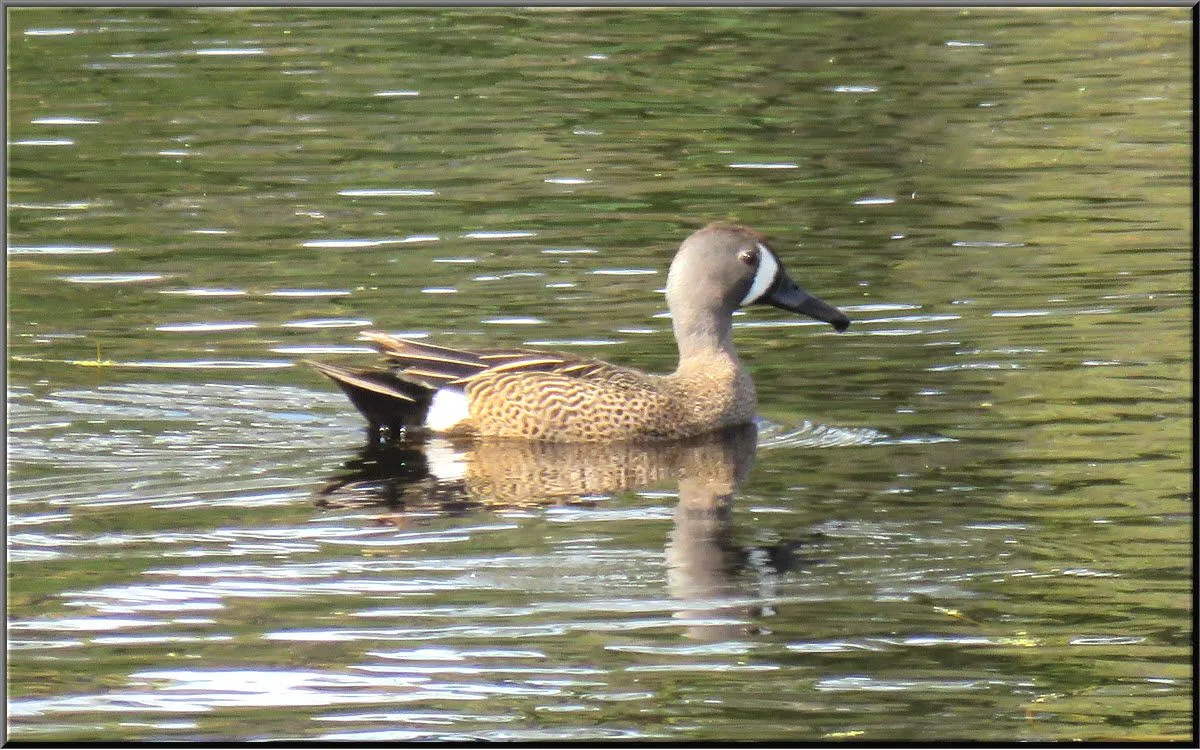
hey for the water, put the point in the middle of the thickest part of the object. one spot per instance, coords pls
(967, 518)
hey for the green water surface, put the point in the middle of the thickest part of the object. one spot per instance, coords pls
(968, 518)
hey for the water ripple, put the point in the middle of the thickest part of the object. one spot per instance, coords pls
(812, 435)
(59, 249)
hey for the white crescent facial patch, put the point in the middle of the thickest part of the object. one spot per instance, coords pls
(768, 269)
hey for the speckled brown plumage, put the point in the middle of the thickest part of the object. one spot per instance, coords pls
(604, 402)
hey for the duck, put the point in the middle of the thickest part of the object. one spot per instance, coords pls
(528, 394)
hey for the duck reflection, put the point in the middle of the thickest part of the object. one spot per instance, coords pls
(707, 571)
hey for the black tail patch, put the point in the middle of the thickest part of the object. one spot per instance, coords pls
(386, 400)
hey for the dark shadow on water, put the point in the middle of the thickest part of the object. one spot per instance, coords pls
(719, 582)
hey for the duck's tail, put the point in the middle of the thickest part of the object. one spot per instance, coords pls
(386, 400)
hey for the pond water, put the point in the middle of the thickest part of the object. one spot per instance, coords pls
(969, 517)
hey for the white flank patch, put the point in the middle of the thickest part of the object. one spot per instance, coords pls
(768, 268)
(448, 408)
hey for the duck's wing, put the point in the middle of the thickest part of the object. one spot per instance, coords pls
(429, 365)
(373, 380)
(435, 366)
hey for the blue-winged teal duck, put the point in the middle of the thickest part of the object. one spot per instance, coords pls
(535, 395)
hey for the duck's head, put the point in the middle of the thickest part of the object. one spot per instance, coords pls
(724, 266)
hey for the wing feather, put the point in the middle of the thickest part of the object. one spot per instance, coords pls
(434, 366)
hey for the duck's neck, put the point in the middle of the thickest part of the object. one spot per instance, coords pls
(710, 381)
(704, 338)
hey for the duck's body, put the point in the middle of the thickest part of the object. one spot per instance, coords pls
(537, 395)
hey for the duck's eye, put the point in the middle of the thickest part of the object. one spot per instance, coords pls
(749, 255)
